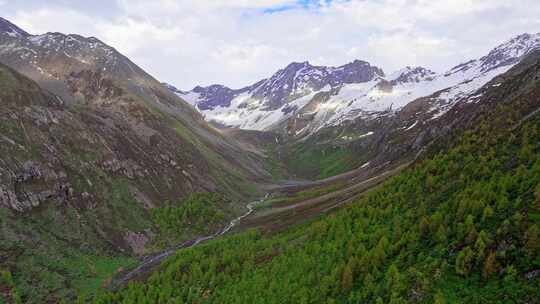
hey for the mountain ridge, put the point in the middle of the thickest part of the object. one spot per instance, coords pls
(262, 111)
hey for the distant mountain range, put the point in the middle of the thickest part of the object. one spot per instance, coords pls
(329, 96)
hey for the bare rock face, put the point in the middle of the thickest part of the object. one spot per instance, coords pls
(215, 95)
(93, 86)
(385, 86)
(127, 168)
(30, 170)
(413, 74)
(32, 186)
(23, 200)
(136, 241)
(533, 274)
(8, 199)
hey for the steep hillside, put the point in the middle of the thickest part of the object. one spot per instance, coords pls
(88, 148)
(460, 226)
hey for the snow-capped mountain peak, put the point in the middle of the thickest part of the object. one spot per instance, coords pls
(314, 97)
(411, 74)
(301, 78)
(212, 96)
(508, 53)
(511, 51)
(51, 58)
(296, 80)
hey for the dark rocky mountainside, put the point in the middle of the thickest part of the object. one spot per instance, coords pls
(413, 74)
(93, 79)
(89, 144)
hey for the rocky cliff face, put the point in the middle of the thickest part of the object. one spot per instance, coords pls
(54, 156)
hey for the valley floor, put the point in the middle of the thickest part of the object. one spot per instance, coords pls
(286, 203)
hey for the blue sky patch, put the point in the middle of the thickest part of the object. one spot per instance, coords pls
(300, 4)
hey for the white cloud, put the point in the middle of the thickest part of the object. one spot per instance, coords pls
(189, 42)
(130, 35)
(54, 20)
(395, 49)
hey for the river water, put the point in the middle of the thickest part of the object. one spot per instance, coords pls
(151, 261)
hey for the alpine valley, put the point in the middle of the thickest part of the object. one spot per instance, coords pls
(316, 185)
(355, 114)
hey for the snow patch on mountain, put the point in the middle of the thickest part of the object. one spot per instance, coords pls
(248, 113)
(460, 83)
(355, 90)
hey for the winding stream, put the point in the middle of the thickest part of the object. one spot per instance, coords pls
(151, 261)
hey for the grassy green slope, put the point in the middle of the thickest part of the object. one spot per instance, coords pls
(319, 162)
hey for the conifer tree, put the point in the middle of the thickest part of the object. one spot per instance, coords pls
(464, 260)
(439, 298)
(532, 243)
(490, 266)
(347, 278)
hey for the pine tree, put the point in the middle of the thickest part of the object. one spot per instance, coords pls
(347, 278)
(424, 226)
(439, 298)
(487, 213)
(429, 183)
(441, 235)
(396, 299)
(537, 198)
(463, 261)
(480, 245)
(16, 296)
(532, 243)
(379, 252)
(490, 266)
(393, 279)
(471, 229)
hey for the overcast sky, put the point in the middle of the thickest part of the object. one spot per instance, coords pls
(237, 42)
